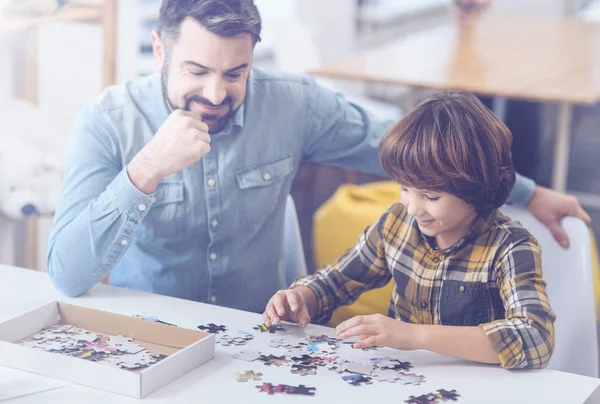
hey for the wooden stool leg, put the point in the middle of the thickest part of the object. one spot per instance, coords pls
(31, 243)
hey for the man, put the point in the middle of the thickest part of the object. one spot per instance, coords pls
(176, 183)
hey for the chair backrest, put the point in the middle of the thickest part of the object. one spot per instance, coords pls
(295, 263)
(569, 277)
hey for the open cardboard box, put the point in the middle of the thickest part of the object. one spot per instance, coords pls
(187, 349)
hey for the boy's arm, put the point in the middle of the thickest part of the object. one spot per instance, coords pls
(525, 338)
(361, 268)
(469, 343)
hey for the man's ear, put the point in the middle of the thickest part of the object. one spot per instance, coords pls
(158, 47)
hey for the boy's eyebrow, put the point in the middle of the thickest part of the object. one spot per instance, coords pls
(196, 64)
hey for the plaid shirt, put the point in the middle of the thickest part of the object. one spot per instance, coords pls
(492, 278)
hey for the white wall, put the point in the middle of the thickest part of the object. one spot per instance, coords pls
(70, 72)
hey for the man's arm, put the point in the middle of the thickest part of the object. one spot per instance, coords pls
(99, 210)
(103, 203)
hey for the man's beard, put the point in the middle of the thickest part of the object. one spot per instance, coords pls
(214, 122)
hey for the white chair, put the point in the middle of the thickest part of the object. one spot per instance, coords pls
(293, 249)
(568, 274)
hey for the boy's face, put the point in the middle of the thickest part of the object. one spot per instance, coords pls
(440, 215)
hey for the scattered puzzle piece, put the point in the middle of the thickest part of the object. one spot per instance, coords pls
(304, 370)
(241, 338)
(248, 356)
(274, 360)
(434, 398)
(212, 328)
(272, 329)
(446, 395)
(357, 380)
(248, 375)
(423, 399)
(269, 388)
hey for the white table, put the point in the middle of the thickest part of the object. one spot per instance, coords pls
(22, 289)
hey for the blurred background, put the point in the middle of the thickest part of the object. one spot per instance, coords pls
(53, 61)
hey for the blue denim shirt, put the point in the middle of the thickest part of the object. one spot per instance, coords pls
(212, 232)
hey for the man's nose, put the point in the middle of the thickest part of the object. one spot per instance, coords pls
(215, 91)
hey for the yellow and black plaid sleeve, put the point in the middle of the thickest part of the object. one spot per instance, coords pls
(361, 268)
(525, 338)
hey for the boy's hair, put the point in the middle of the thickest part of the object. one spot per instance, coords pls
(452, 143)
(226, 18)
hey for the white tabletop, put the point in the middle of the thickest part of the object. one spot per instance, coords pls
(21, 290)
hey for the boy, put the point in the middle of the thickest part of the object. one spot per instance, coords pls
(468, 280)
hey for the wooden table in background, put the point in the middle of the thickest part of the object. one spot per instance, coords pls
(525, 57)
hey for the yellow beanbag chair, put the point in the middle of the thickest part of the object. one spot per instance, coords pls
(339, 222)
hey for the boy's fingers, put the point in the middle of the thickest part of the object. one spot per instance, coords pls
(293, 301)
(272, 314)
(266, 319)
(345, 325)
(278, 302)
(303, 316)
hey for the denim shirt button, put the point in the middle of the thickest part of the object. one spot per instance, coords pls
(462, 288)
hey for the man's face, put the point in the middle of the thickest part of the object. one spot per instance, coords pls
(204, 73)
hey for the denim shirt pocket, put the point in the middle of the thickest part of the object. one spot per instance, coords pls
(260, 187)
(166, 218)
(464, 303)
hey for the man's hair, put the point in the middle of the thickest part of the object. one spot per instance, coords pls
(452, 143)
(226, 18)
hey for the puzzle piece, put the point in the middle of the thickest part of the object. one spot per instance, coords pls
(339, 365)
(304, 370)
(269, 388)
(272, 329)
(241, 338)
(385, 375)
(357, 380)
(248, 356)
(274, 360)
(434, 398)
(248, 375)
(359, 368)
(212, 328)
(301, 390)
(411, 378)
(320, 347)
(446, 395)
(423, 399)
(303, 359)
(287, 342)
(334, 343)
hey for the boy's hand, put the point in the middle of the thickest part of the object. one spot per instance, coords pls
(287, 305)
(377, 329)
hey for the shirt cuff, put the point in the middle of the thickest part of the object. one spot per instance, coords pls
(522, 191)
(127, 198)
(507, 345)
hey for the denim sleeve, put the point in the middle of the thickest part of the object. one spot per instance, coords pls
(99, 208)
(522, 191)
(340, 133)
